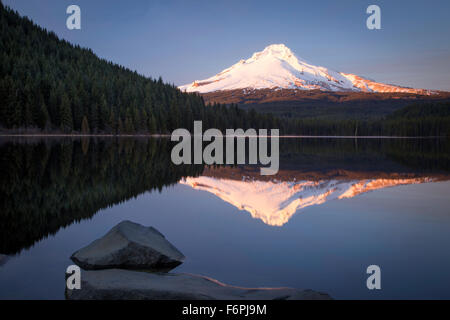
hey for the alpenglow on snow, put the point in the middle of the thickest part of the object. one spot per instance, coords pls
(277, 67)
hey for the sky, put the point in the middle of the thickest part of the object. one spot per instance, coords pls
(183, 41)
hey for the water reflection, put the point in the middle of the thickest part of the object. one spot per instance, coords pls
(275, 202)
(51, 183)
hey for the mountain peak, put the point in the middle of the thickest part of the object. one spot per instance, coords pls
(275, 46)
(277, 67)
(279, 50)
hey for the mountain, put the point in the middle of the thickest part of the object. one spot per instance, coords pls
(49, 85)
(277, 67)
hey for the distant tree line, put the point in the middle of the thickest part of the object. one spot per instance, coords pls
(423, 119)
(50, 85)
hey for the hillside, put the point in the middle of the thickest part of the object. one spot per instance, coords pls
(293, 103)
(49, 84)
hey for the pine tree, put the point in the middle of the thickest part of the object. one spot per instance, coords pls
(112, 127)
(85, 126)
(152, 125)
(43, 117)
(4, 97)
(103, 114)
(93, 118)
(15, 111)
(27, 116)
(129, 128)
(120, 128)
(65, 114)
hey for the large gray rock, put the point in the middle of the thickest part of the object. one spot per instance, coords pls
(129, 246)
(115, 284)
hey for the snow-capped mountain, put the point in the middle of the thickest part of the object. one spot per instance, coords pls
(275, 202)
(277, 67)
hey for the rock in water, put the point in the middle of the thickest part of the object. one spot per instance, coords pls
(129, 246)
(118, 284)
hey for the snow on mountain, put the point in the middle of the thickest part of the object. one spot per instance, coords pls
(275, 202)
(278, 67)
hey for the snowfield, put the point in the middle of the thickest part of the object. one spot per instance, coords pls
(278, 67)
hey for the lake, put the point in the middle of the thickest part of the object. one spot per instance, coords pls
(335, 207)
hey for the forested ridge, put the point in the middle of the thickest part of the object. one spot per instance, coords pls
(49, 85)
(422, 119)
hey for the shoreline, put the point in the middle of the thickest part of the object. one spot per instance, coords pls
(59, 135)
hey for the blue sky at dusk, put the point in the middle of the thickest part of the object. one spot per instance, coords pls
(189, 40)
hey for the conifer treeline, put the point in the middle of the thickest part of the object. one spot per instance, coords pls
(50, 85)
(400, 123)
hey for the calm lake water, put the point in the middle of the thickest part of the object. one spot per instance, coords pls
(335, 207)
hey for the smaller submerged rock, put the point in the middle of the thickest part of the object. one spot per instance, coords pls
(129, 246)
(115, 284)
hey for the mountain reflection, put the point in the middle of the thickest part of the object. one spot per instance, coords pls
(275, 202)
(50, 183)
